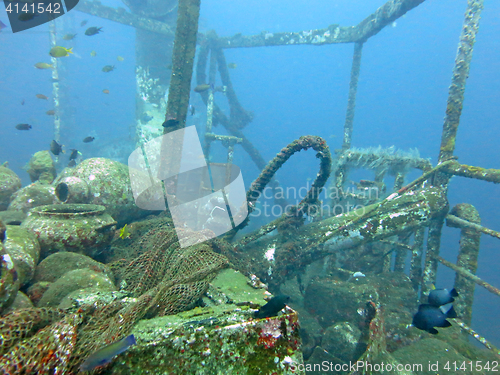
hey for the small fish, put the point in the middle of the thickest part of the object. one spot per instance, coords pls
(271, 308)
(59, 51)
(104, 355)
(106, 91)
(192, 109)
(41, 96)
(232, 66)
(440, 297)
(145, 118)
(23, 126)
(83, 23)
(25, 17)
(72, 163)
(93, 54)
(88, 139)
(169, 66)
(202, 88)
(124, 232)
(42, 65)
(119, 58)
(108, 68)
(69, 36)
(51, 112)
(2, 26)
(74, 154)
(55, 148)
(429, 316)
(93, 31)
(22, 102)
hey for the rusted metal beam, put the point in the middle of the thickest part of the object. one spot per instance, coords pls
(353, 89)
(121, 15)
(333, 34)
(454, 221)
(460, 74)
(469, 171)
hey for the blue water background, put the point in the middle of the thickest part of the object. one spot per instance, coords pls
(293, 91)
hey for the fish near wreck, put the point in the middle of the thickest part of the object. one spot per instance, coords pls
(272, 307)
(93, 31)
(106, 354)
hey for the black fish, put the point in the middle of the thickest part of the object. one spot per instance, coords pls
(83, 23)
(88, 139)
(429, 316)
(74, 154)
(71, 164)
(23, 126)
(93, 30)
(55, 147)
(440, 297)
(271, 308)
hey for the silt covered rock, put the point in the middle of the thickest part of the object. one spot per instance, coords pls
(41, 167)
(54, 266)
(34, 195)
(24, 250)
(74, 280)
(9, 184)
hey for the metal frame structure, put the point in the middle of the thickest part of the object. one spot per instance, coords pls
(463, 216)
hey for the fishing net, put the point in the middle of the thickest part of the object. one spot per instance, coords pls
(164, 278)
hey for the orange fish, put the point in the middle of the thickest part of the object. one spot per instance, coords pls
(41, 96)
(106, 91)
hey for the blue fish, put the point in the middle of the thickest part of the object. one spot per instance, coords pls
(440, 297)
(105, 355)
(429, 316)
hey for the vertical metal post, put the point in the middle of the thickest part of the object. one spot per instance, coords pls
(353, 88)
(467, 259)
(416, 258)
(55, 85)
(457, 88)
(431, 261)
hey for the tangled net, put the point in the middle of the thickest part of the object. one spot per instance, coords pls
(165, 278)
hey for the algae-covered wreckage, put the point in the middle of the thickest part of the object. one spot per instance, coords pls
(191, 308)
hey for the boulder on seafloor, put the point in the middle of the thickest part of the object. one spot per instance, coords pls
(34, 195)
(20, 302)
(9, 184)
(107, 183)
(41, 167)
(333, 301)
(9, 282)
(74, 280)
(24, 249)
(36, 291)
(343, 339)
(55, 265)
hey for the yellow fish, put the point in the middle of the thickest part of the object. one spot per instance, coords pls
(58, 51)
(232, 66)
(119, 58)
(42, 65)
(93, 53)
(124, 233)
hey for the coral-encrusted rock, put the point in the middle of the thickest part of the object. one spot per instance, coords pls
(21, 302)
(56, 265)
(9, 184)
(9, 282)
(24, 250)
(105, 182)
(83, 228)
(74, 280)
(33, 195)
(41, 167)
(36, 291)
(343, 339)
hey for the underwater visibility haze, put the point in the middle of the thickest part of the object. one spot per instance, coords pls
(257, 187)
